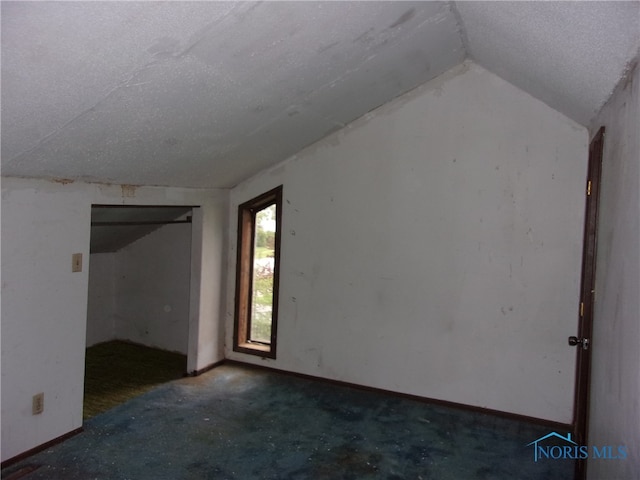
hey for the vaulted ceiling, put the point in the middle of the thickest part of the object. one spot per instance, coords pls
(205, 94)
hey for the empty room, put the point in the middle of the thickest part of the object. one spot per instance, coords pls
(391, 239)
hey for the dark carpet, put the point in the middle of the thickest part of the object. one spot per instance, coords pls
(117, 371)
(236, 422)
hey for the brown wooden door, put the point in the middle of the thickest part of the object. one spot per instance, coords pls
(583, 342)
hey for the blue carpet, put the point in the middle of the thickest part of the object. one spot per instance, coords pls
(241, 423)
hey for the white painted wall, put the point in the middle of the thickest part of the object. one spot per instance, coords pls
(101, 306)
(615, 378)
(141, 292)
(44, 305)
(152, 289)
(433, 247)
(44, 309)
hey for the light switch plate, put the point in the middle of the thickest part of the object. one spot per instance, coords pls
(76, 262)
(37, 405)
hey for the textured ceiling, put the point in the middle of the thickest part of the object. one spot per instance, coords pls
(568, 54)
(205, 94)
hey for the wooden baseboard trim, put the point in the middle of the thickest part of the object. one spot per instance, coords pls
(40, 448)
(196, 373)
(460, 406)
(559, 426)
(66, 436)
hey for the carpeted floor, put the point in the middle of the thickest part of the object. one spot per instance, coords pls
(237, 422)
(116, 372)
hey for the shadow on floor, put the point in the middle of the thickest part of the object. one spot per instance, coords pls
(236, 422)
(117, 371)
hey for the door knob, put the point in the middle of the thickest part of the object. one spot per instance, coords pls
(573, 341)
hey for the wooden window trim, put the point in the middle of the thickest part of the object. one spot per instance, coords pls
(244, 273)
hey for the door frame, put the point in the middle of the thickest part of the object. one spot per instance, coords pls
(195, 260)
(587, 296)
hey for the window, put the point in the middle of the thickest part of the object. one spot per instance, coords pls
(257, 273)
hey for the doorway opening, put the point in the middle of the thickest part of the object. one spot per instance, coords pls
(138, 302)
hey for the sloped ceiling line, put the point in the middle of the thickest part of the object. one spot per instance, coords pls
(461, 30)
(206, 94)
(113, 228)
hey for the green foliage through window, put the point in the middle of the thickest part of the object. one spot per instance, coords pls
(262, 288)
(256, 283)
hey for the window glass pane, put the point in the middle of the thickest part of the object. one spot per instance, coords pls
(262, 282)
(256, 314)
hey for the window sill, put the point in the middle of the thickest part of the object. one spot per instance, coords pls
(255, 349)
